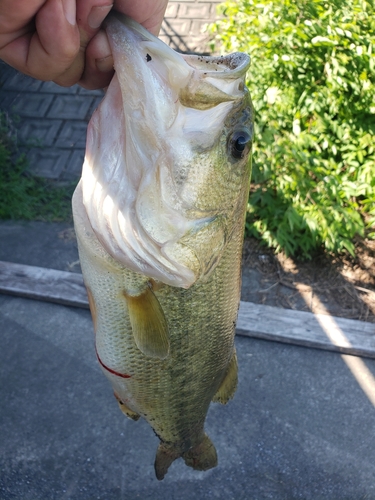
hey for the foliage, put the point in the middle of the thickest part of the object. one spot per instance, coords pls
(312, 82)
(23, 196)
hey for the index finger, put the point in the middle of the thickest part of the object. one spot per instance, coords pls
(38, 38)
(90, 15)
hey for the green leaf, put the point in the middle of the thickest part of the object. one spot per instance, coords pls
(312, 82)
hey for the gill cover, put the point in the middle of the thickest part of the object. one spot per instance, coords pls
(161, 109)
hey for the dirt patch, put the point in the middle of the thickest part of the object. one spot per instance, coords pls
(341, 286)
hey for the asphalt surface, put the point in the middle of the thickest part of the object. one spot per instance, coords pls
(299, 427)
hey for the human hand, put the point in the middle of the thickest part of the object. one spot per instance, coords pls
(61, 40)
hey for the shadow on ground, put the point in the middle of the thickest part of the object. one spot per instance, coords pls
(340, 286)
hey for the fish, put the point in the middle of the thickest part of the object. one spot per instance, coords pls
(159, 215)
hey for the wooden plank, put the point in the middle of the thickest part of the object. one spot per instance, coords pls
(254, 320)
(307, 329)
(40, 283)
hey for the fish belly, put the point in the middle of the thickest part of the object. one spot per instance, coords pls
(172, 394)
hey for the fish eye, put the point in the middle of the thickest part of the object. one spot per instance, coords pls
(239, 144)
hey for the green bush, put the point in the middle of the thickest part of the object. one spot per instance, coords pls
(23, 196)
(312, 81)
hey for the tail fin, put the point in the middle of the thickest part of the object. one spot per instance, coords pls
(202, 456)
(164, 457)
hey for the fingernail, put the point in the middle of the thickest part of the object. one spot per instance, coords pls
(105, 64)
(69, 7)
(97, 15)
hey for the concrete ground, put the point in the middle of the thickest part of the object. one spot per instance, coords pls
(300, 426)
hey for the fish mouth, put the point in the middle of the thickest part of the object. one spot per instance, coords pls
(199, 82)
(158, 103)
(233, 65)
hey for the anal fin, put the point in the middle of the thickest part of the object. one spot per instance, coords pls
(149, 326)
(228, 386)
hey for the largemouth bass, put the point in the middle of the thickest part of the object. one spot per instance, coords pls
(159, 216)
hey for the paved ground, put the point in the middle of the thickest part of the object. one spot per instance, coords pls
(50, 122)
(299, 427)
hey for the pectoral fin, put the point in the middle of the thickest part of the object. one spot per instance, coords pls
(148, 323)
(229, 384)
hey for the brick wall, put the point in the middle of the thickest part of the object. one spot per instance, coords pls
(183, 23)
